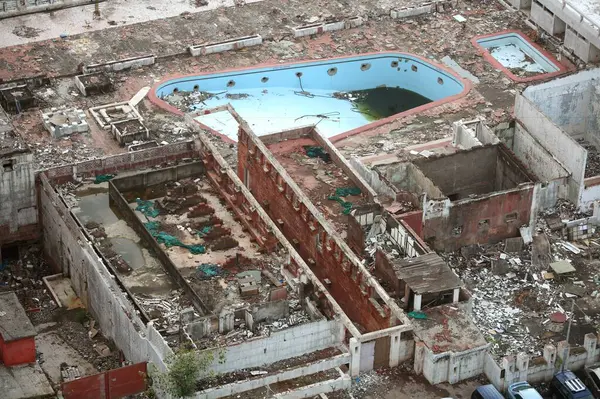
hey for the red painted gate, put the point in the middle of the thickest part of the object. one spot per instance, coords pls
(112, 384)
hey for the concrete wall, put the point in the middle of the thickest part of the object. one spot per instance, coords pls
(311, 368)
(523, 367)
(280, 345)
(350, 283)
(563, 147)
(450, 367)
(123, 162)
(373, 178)
(407, 177)
(453, 174)
(13, 8)
(158, 176)
(486, 219)
(18, 199)
(65, 243)
(117, 200)
(565, 101)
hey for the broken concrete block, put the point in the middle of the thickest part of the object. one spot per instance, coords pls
(513, 245)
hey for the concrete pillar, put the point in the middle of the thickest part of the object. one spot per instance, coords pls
(354, 357)
(590, 341)
(563, 351)
(417, 302)
(395, 349)
(455, 295)
(523, 365)
(419, 357)
(226, 320)
(550, 358)
(509, 366)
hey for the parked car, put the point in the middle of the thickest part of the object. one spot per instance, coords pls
(566, 385)
(486, 392)
(592, 379)
(522, 390)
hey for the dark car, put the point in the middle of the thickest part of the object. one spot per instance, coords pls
(592, 379)
(566, 385)
(486, 392)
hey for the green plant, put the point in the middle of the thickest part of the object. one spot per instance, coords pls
(184, 368)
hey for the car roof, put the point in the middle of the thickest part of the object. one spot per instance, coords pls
(489, 392)
(527, 393)
(575, 385)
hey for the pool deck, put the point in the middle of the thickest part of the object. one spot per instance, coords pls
(317, 179)
(431, 36)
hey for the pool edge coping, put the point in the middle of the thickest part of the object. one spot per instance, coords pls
(562, 69)
(467, 86)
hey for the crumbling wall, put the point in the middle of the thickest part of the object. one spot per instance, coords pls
(300, 222)
(522, 367)
(562, 146)
(280, 345)
(116, 199)
(407, 177)
(451, 366)
(18, 199)
(593, 123)
(373, 178)
(566, 101)
(360, 217)
(490, 219)
(65, 244)
(454, 174)
(123, 162)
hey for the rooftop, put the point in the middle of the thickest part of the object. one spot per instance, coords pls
(14, 323)
(448, 328)
(426, 273)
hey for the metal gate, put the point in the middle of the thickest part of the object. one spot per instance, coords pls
(112, 384)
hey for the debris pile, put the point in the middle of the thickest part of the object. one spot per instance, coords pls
(519, 291)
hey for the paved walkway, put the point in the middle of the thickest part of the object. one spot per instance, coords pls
(24, 382)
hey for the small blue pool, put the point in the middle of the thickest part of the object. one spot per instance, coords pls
(339, 95)
(515, 53)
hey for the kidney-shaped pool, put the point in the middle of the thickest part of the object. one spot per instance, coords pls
(342, 96)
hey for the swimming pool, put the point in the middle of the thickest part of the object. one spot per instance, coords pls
(518, 57)
(342, 96)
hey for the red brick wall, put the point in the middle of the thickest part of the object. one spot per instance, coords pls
(355, 236)
(498, 210)
(414, 220)
(385, 272)
(299, 226)
(17, 352)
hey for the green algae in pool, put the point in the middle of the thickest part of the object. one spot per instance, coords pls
(382, 102)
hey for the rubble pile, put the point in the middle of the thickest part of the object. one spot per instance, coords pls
(517, 295)
(165, 312)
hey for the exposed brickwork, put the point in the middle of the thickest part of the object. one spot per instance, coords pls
(505, 213)
(355, 236)
(300, 226)
(414, 220)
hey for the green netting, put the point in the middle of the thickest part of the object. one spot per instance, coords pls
(204, 231)
(415, 314)
(208, 270)
(346, 206)
(171, 241)
(317, 152)
(147, 208)
(343, 192)
(103, 178)
(346, 191)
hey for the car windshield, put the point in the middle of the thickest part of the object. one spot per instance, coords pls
(522, 387)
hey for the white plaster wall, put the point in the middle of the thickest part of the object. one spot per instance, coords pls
(372, 178)
(564, 148)
(566, 103)
(95, 286)
(285, 344)
(18, 201)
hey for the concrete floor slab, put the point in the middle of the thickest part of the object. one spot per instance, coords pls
(56, 351)
(23, 382)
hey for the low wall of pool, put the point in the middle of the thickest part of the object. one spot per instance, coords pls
(280, 97)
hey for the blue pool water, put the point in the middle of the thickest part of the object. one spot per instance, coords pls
(336, 94)
(512, 51)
